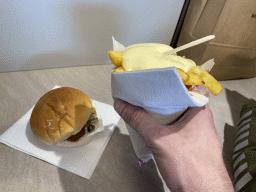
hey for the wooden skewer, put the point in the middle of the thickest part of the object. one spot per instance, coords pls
(191, 44)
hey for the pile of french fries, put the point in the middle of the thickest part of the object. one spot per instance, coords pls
(195, 76)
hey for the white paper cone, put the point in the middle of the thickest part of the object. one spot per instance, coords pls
(160, 92)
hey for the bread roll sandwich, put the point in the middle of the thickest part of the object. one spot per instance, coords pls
(64, 117)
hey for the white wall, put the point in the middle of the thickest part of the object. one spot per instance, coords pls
(36, 34)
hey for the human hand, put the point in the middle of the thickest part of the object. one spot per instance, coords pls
(188, 153)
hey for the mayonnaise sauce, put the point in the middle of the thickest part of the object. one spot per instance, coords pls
(151, 55)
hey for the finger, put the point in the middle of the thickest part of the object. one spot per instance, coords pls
(189, 114)
(137, 118)
(200, 118)
(187, 120)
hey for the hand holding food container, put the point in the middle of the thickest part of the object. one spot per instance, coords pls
(164, 85)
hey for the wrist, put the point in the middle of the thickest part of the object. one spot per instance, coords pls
(190, 174)
(217, 180)
(212, 176)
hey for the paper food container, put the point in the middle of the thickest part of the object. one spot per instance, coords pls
(160, 92)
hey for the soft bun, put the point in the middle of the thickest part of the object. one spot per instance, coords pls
(60, 113)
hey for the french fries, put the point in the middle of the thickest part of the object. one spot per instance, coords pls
(116, 57)
(183, 75)
(194, 79)
(119, 69)
(195, 76)
(210, 82)
(197, 70)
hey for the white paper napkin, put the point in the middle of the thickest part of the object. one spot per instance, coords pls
(80, 160)
(157, 90)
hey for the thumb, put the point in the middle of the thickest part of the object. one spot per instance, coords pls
(138, 119)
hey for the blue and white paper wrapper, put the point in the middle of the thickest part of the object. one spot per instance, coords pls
(160, 92)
